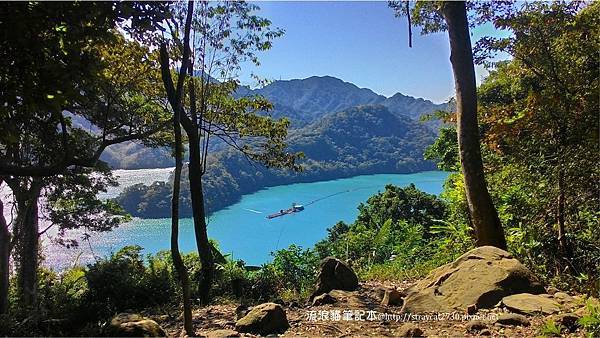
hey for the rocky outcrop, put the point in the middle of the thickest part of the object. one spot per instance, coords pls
(334, 275)
(528, 304)
(482, 276)
(133, 325)
(263, 319)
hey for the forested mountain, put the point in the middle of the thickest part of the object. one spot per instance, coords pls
(358, 140)
(307, 100)
(303, 101)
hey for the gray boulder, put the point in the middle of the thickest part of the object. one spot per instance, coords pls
(263, 319)
(334, 275)
(482, 276)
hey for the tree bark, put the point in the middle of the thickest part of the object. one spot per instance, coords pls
(26, 231)
(4, 260)
(562, 239)
(199, 214)
(176, 100)
(180, 267)
(483, 213)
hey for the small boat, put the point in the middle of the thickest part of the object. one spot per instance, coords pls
(295, 208)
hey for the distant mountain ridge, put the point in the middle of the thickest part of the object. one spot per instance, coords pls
(303, 101)
(306, 100)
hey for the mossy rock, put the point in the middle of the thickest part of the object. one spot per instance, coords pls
(264, 319)
(133, 325)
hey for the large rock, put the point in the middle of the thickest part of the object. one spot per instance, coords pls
(529, 304)
(133, 325)
(264, 319)
(334, 275)
(482, 276)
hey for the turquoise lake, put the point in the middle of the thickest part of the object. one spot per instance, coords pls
(243, 230)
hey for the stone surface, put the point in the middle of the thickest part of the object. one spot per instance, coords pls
(567, 302)
(482, 276)
(392, 297)
(263, 319)
(224, 333)
(475, 326)
(529, 304)
(334, 275)
(323, 299)
(409, 330)
(133, 325)
(512, 319)
(552, 290)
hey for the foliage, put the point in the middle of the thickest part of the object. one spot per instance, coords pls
(536, 114)
(444, 150)
(550, 329)
(297, 269)
(124, 282)
(395, 232)
(591, 321)
(540, 154)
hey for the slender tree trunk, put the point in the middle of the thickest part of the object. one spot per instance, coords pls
(175, 96)
(484, 215)
(4, 260)
(562, 239)
(27, 244)
(199, 214)
(180, 267)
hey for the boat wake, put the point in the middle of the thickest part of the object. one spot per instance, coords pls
(254, 211)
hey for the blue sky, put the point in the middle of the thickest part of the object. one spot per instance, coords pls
(359, 42)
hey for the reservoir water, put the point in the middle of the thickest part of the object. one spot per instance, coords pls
(243, 230)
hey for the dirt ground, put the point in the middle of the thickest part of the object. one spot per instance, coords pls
(357, 313)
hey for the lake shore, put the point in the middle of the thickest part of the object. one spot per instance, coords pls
(242, 229)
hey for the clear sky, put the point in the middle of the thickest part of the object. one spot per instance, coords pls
(359, 42)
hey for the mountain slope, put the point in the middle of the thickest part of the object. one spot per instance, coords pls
(303, 101)
(356, 141)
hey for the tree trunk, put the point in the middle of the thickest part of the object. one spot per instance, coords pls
(27, 243)
(4, 261)
(180, 267)
(175, 97)
(199, 214)
(484, 215)
(562, 239)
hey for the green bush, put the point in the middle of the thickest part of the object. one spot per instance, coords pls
(591, 321)
(122, 282)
